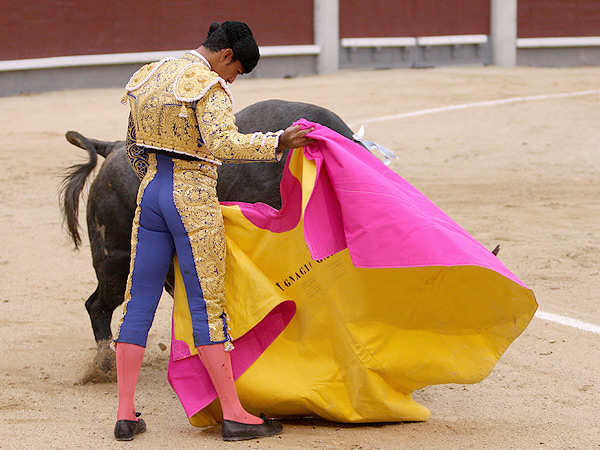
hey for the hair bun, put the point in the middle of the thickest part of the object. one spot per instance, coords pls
(213, 26)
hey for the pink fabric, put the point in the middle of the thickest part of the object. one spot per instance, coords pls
(188, 376)
(361, 204)
(357, 203)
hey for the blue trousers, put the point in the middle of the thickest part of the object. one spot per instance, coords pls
(178, 211)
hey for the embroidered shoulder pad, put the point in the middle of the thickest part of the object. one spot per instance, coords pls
(194, 81)
(144, 74)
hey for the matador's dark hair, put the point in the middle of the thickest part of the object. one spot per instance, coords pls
(238, 37)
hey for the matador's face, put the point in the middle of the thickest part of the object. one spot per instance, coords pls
(226, 68)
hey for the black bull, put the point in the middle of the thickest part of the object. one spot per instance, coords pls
(112, 198)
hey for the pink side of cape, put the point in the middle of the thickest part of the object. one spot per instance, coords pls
(359, 203)
(188, 376)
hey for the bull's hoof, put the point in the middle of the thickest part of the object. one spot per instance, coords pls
(103, 368)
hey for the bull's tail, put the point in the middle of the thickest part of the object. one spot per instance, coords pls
(102, 148)
(73, 182)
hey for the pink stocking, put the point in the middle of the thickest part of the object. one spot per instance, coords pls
(218, 364)
(129, 362)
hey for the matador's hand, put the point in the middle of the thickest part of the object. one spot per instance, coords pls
(294, 137)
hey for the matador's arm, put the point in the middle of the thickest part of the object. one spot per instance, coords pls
(221, 136)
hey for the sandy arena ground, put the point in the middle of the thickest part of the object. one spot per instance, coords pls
(525, 175)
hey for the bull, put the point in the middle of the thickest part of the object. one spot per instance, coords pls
(112, 200)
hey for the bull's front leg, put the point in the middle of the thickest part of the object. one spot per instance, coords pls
(102, 368)
(111, 270)
(99, 316)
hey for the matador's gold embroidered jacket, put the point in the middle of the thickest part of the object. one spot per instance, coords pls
(181, 107)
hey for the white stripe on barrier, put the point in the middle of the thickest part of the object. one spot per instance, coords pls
(452, 40)
(136, 58)
(559, 42)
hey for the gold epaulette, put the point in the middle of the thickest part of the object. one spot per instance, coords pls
(194, 81)
(144, 74)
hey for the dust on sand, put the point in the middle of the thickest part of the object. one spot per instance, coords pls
(523, 175)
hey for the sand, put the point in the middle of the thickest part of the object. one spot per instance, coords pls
(525, 175)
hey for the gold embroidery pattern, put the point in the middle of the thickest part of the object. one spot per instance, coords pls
(195, 80)
(134, 235)
(143, 74)
(221, 137)
(137, 156)
(195, 197)
(163, 98)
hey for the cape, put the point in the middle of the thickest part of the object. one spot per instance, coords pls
(356, 293)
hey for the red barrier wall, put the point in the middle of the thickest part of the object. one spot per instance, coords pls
(536, 18)
(558, 18)
(42, 28)
(393, 18)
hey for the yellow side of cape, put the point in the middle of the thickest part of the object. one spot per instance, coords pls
(362, 339)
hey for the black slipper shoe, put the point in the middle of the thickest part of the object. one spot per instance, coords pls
(125, 430)
(237, 431)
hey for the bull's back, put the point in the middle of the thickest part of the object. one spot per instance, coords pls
(274, 115)
(259, 182)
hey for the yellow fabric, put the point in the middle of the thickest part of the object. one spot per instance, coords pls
(362, 339)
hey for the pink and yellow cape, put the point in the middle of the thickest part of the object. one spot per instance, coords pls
(356, 293)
